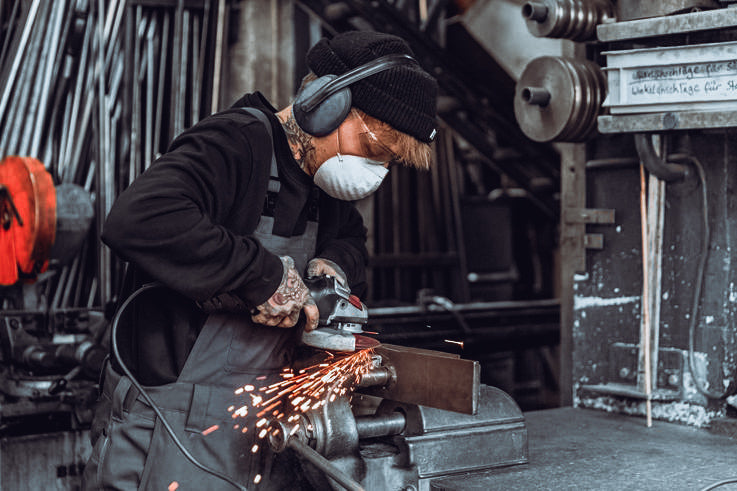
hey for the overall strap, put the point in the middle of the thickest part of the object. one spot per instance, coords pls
(273, 182)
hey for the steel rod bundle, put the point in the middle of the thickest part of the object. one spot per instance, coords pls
(96, 90)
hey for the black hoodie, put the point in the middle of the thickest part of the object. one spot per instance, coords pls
(187, 220)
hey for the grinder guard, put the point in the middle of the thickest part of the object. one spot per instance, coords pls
(342, 316)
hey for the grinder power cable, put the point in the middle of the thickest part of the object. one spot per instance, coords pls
(147, 397)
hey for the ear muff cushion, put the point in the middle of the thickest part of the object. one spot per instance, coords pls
(326, 116)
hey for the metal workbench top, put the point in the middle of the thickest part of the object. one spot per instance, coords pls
(582, 449)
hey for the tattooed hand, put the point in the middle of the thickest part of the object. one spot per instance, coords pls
(290, 298)
(319, 266)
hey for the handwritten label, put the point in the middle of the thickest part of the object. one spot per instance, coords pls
(712, 81)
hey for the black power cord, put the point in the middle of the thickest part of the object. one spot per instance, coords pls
(719, 484)
(137, 385)
(706, 237)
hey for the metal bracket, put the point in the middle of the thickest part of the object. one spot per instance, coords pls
(665, 121)
(589, 215)
(667, 25)
(578, 218)
(593, 241)
(622, 374)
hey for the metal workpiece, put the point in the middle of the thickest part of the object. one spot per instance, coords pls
(429, 378)
(568, 19)
(559, 99)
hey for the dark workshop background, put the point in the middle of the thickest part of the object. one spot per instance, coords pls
(508, 251)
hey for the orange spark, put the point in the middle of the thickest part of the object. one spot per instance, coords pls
(459, 343)
(173, 486)
(210, 429)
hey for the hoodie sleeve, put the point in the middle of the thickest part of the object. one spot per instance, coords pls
(174, 221)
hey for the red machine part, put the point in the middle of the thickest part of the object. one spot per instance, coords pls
(27, 218)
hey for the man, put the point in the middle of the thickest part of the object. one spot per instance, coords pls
(230, 239)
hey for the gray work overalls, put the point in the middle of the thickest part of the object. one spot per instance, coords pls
(135, 452)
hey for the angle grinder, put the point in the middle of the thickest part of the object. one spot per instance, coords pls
(342, 317)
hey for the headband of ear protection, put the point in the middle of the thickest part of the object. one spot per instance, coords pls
(322, 105)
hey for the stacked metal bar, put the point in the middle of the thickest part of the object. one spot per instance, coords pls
(96, 90)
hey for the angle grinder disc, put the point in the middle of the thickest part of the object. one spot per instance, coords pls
(365, 342)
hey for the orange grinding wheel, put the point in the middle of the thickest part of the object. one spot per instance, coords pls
(27, 218)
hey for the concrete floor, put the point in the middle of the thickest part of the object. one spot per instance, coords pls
(581, 449)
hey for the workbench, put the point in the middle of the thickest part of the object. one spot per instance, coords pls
(583, 449)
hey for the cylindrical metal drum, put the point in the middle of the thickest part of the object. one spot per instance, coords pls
(559, 99)
(567, 19)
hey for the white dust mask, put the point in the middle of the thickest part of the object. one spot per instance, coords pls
(350, 177)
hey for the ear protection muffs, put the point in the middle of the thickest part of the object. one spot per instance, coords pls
(322, 105)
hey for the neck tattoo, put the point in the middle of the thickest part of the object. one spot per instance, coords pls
(299, 141)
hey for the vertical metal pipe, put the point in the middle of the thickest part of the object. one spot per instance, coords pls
(70, 281)
(176, 59)
(203, 56)
(72, 123)
(136, 110)
(644, 378)
(121, 7)
(195, 107)
(218, 59)
(19, 117)
(182, 85)
(396, 232)
(10, 32)
(28, 119)
(19, 57)
(56, 23)
(56, 300)
(455, 206)
(148, 116)
(161, 82)
(102, 174)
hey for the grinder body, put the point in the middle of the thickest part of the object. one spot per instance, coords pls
(342, 317)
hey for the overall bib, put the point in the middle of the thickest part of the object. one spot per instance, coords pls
(133, 449)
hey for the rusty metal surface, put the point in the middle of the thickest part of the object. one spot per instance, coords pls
(51, 461)
(682, 120)
(672, 24)
(429, 378)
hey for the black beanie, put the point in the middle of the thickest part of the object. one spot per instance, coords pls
(403, 96)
